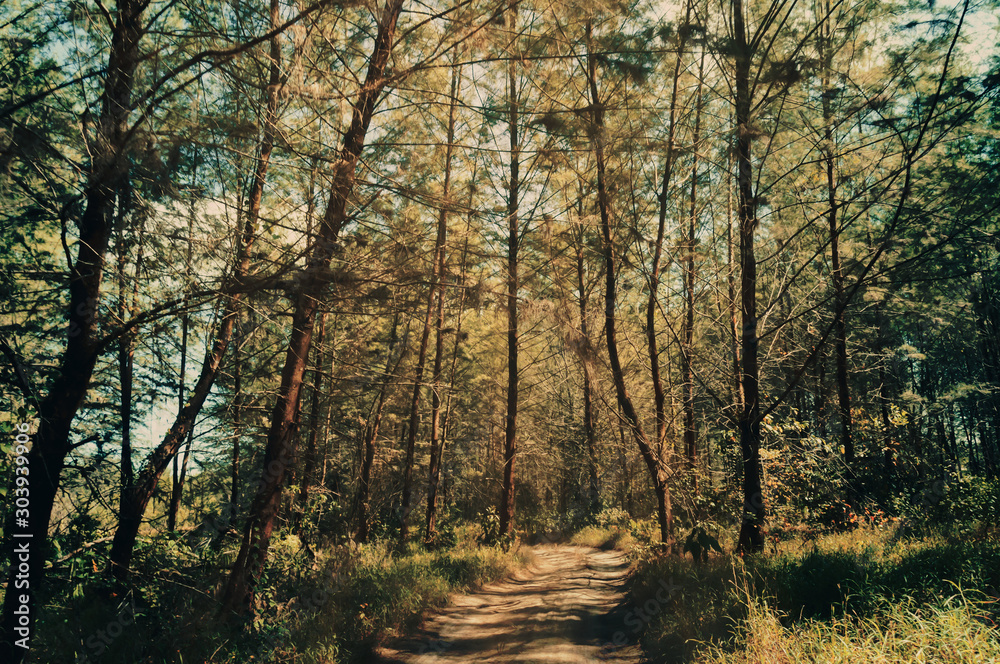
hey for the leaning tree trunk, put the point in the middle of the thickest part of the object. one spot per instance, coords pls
(135, 501)
(108, 175)
(237, 596)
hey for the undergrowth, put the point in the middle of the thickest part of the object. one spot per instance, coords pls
(868, 595)
(330, 605)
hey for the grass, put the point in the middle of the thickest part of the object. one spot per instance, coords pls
(953, 632)
(869, 595)
(614, 537)
(331, 607)
(375, 593)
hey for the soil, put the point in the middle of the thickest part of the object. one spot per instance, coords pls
(568, 606)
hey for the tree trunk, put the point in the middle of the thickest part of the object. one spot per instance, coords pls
(434, 467)
(177, 486)
(659, 397)
(108, 175)
(238, 397)
(126, 343)
(751, 538)
(238, 594)
(653, 461)
(309, 466)
(370, 437)
(687, 354)
(414, 419)
(734, 337)
(837, 272)
(513, 245)
(589, 425)
(134, 503)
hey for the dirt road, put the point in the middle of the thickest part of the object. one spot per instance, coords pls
(564, 608)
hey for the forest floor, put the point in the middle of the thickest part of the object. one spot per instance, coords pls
(568, 606)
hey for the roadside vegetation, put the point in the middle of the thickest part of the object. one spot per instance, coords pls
(328, 604)
(913, 588)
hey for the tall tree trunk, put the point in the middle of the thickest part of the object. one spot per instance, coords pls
(837, 272)
(687, 354)
(654, 463)
(734, 337)
(134, 503)
(440, 254)
(370, 437)
(108, 175)
(237, 596)
(179, 470)
(312, 444)
(751, 538)
(513, 245)
(238, 397)
(309, 465)
(414, 418)
(589, 425)
(659, 398)
(126, 343)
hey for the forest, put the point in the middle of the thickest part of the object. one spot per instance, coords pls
(318, 312)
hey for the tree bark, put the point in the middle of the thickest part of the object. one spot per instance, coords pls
(654, 463)
(440, 254)
(751, 538)
(108, 175)
(513, 245)
(238, 594)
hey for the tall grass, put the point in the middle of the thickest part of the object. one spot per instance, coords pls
(953, 632)
(864, 596)
(332, 605)
(356, 597)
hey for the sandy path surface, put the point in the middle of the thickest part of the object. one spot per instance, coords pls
(564, 608)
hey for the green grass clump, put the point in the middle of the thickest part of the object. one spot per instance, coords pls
(953, 632)
(375, 592)
(611, 537)
(866, 596)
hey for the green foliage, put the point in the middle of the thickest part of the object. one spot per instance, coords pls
(698, 543)
(953, 631)
(490, 535)
(845, 582)
(331, 605)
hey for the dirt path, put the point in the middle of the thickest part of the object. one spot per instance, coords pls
(565, 608)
